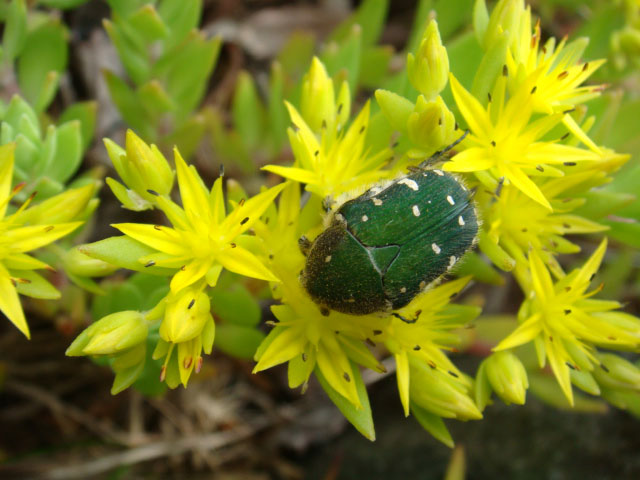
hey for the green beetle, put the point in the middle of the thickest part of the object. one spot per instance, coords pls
(384, 247)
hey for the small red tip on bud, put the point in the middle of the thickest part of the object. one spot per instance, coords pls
(19, 187)
(199, 363)
(163, 373)
(187, 362)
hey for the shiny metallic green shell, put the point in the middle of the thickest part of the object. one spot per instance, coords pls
(384, 247)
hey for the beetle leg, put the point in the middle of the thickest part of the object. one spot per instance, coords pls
(305, 245)
(327, 203)
(440, 153)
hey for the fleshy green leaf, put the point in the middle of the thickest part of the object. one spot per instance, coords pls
(370, 15)
(15, 30)
(36, 286)
(236, 306)
(180, 17)
(85, 113)
(238, 341)
(359, 417)
(395, 107)
(123, 252)
(45, 51)
(433, 424)
(247, 111)
(68, 154)
(128, 105)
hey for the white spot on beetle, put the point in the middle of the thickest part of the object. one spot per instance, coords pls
(428, 201)
(436, 248)
(439, 172)
(327, 259)
(403, 290)
(377, 202)
(416, 210)
(461, 221)
(364, 218)
(409, 183)
(450, 200)
(452, 261)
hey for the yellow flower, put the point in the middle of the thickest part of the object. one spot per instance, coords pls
(558, 70)
(303, 336)
(333, 343)
(539, 229)
(505, 143)
(335, 161)
(566, 325)
(28, 229)
(421, 344)
(203, 238)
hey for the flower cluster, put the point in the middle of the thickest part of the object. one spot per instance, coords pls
(527, 156)
(533, 163)
(28, 228)
(203, 240)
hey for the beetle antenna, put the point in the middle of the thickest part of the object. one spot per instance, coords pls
(440, 153)
(405, 319)
(499, 187)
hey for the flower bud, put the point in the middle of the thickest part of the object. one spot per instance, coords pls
(78, 263)
(429, 69)
(186, 314)
(111, 334)
(317, 104)
(441, 393)
(142, 168)
(430, 126)
(505, 20)
(507, 377)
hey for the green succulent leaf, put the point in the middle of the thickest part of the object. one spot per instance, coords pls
(433, 424)
(131, 50)
(360, 418)
(180, 18)
(128, 105)
(15, 30)
(278, 119)
(247, 111)
(238, 341)
(68, 153)
(148, 23)
(34, 285)
(43, 58)
(371, 15)
(123, 252)
(185, 71)
(85, 113)
(62, 4)
(236, 306)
